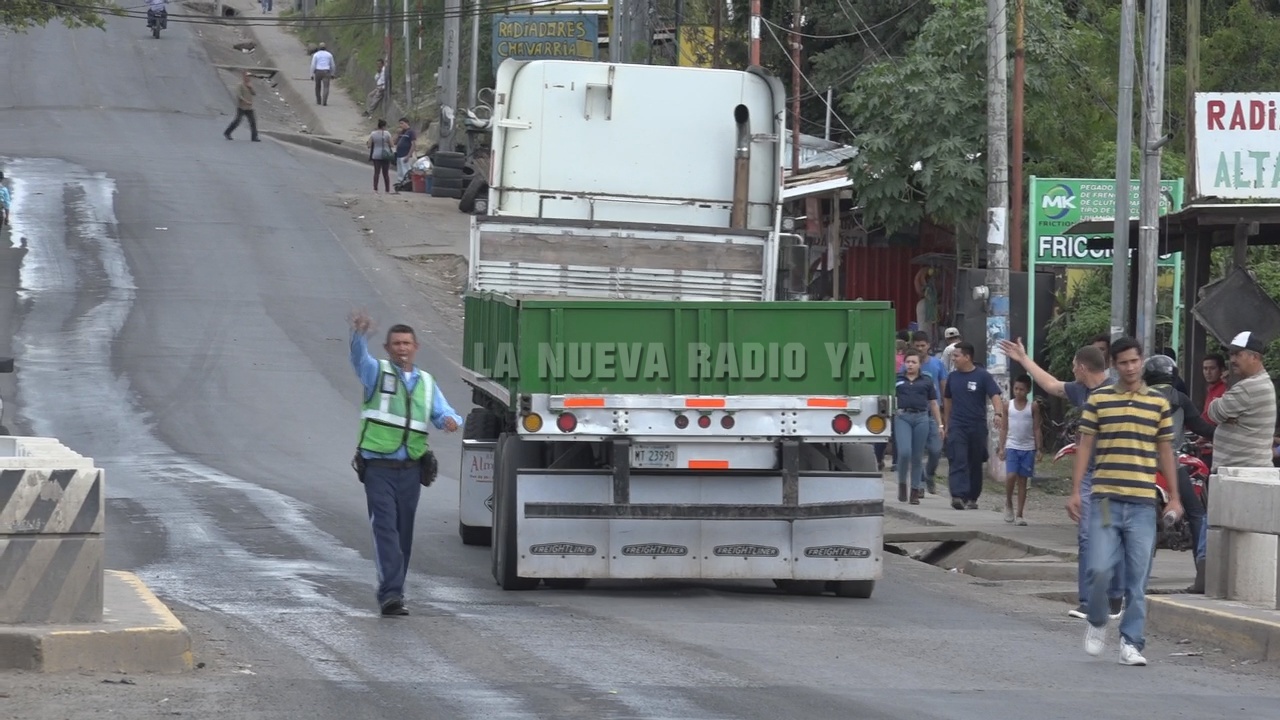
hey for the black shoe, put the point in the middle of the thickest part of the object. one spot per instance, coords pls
(902, 493)
(971, 505)
(394, 606)
(226, 135)
(255, 140)
(1080, 611)
(1116, 606)
(957, 503)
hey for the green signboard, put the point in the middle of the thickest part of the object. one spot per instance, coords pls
(1058, 203)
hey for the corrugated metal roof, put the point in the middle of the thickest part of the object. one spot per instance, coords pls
(818, 153)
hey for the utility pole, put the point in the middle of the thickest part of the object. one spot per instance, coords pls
(1193, 84)
(447, 86)
(716, 12)
(998, 202)
(408, 69)
(826, 127)
(473, 78)
(615, 32)
(1124, 160)
(1015, 195)
(795, 86)
(755, 33)
(1153, 141)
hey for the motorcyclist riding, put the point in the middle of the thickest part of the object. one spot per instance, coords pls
(1160, 372)
(158, 11)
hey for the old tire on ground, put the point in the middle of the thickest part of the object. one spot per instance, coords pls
(447, 159)
(477, 185)
(446, 173)
(480, 425)
(860, 457)
(512, 453)
(566, 583)
(444, 191)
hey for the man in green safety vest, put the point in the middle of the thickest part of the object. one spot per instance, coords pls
(393, 460)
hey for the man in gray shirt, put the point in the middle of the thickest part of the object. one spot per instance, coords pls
(1246, 413)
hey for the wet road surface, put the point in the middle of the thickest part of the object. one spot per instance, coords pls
(181, 316)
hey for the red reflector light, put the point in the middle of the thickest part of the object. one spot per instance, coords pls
(842, 424)
(682, 421)
(704, 421)
(566, 422)
(726, 422)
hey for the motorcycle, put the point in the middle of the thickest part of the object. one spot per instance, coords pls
(157, 20)
(1177, 536)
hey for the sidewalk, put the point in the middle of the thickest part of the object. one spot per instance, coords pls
(1040, 559)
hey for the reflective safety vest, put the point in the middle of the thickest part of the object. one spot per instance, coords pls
(392, 417)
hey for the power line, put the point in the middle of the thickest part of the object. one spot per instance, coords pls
(799, 70)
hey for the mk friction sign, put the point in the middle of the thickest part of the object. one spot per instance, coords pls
(1058, 204)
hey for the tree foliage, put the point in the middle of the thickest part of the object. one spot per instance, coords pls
(23, 14)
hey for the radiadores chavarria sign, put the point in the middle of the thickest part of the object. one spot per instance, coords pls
(1238, 145)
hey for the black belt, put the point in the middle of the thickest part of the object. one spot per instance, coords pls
(396, 464)
(909, 410)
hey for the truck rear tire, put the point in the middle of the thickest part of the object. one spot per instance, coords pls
(511, 454)
(854, 588)
(566, 583)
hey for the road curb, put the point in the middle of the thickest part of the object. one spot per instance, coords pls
(1248, 635)
(328, 145)
(904, 514)
(138, 634)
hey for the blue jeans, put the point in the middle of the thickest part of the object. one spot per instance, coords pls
(935, 452)
(392, 498)
(1116, 589)
(1122, 544)
(966, 452)
(911, 437)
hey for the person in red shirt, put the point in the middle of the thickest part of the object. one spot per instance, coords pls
(1214, 369)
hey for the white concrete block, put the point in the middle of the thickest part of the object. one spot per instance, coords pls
(1253, 571)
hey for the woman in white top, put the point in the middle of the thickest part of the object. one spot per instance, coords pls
(381, 152)
(1019, 447)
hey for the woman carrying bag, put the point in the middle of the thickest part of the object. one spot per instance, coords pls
(381, 152)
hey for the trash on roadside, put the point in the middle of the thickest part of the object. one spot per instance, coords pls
(1186, 654)
(121, 681)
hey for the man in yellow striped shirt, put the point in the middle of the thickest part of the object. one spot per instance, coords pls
(1128, 427)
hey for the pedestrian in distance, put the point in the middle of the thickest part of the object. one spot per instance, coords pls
(322, 71)
(1130, 428)
(5, 202)
(406, 146)
(379, 92)
(917, 397)
(244, 108)
(381, 153)
(965, 398)
(1089, 367)
(1019, 448)
(393, 459)
(934, 368)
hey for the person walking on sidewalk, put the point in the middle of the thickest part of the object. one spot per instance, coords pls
(393, 460)
(381, 153)
(244, 109)
(965, 419)
(1019, 447)
(1089, 367)
(917, 407)
(934, 368)
(379, 92)
(1130, 427)
(322, 71)
(5, 202)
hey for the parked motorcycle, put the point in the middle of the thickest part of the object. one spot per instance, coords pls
(157, 20)
(1177, 536)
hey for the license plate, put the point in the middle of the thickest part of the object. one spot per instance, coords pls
(653, 456)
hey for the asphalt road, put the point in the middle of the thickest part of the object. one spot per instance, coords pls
(181, 318)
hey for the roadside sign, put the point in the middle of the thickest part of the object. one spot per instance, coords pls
(545, 37)
(1237, 146)
(1059, 203)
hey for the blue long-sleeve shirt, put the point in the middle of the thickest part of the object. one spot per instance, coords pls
(4, 197)
(366, 368)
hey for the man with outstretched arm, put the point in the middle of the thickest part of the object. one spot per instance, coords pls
(1090, 370)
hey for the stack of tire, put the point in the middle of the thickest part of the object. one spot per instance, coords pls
(475, 199)
(449, 174)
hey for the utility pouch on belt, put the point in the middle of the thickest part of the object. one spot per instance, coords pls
(358, 464)
(429, 467)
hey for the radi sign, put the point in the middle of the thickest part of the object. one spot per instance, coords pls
(1237, 145)
(1059, 203)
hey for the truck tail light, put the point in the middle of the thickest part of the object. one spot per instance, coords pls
(726, 422)
(682, 421)
(567, 422)
(704, 421)
(842, 424)
(877, 424)
(532, 422)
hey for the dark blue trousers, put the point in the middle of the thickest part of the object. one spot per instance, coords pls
(966, 452)
(392, 496)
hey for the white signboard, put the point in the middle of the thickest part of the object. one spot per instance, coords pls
(1237, 145)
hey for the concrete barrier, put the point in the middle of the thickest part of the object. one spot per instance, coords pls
(1242, 562)
(51, 533)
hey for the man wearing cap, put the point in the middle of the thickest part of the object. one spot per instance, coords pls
(951, 336)
(322, 71)
(1246, 412)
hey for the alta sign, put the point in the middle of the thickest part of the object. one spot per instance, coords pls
(1059, 203)
(1238, 145)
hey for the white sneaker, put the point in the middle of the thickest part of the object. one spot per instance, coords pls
(1008, 514)
(1020, 522)
(1095, 640)
(1129, 654)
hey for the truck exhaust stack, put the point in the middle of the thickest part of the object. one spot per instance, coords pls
(741, 168)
